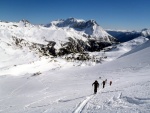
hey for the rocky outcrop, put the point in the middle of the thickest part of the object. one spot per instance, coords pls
(78, 46)
(74, 49)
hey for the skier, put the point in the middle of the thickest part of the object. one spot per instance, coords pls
(103, 83)
(110, 83)
(96, 85)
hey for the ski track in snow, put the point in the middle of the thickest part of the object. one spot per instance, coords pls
(82, 105)
(18, 88)
(14, 91)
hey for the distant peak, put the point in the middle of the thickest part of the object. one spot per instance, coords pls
(71, 19)
(73, 22)
(92, 22)
(145, 29)
(24, 21)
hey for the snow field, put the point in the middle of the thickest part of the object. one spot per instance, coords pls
(33, 84)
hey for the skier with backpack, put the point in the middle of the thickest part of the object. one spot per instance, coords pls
(96, 85)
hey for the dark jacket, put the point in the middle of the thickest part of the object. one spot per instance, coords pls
(96, 84)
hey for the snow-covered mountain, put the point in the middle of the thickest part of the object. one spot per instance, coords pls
(124, 35)
(59, 37)
(89, 28)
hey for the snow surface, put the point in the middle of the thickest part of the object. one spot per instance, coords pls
(33, 84)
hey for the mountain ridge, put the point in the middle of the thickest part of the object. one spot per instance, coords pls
(126, 35)
(58, 40)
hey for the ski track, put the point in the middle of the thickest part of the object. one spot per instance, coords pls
(14, 91)
(82, 105)
(18, 88)
(38, 101)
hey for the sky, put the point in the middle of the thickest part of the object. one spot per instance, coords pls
(109, 14)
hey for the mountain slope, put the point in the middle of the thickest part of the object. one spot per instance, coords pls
(130, 92)
(59, 37)
(41, 88)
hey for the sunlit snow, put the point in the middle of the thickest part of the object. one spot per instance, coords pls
(33, 84)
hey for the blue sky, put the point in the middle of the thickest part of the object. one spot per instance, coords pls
(109, 14)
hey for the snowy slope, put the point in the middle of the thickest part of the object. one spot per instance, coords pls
(124, 48)
(33, 84)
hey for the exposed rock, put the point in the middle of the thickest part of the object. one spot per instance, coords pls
(73, 50)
